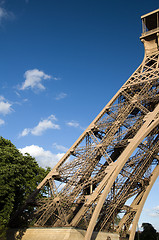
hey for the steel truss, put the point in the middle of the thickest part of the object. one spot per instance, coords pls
(110, 169)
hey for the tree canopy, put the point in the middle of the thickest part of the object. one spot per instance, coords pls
(19, 177)
(148, 233)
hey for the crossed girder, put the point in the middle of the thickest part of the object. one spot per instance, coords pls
(103, 180)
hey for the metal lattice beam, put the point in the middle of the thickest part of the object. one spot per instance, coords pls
(113, 161)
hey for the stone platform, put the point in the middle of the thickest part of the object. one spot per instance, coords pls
(57, 234)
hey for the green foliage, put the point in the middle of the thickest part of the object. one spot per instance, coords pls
(117, 219)
(19, 177)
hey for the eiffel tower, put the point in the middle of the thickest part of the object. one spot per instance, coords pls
(109, 171)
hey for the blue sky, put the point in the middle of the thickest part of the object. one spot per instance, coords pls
(61, 62)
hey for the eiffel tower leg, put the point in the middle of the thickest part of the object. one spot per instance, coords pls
(111, 161)
(140, 206)
(151, 121)
(136, 207)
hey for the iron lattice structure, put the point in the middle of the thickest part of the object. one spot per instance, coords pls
(110, 169)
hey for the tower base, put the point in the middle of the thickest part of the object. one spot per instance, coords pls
(58, 234)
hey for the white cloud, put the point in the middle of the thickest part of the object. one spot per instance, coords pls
(2, 122)
(18, 94)
(25, 132)
(42, 126)
(73, 124)
(59, 147)
(156, 208)
(154, 214)
(43, 157)
(4, 14)
(52, 117)
(33, 79)
(56, 79)
(5, 106)
(61, 96)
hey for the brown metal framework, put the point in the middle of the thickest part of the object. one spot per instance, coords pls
(110, 169)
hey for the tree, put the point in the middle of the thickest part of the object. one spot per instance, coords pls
(148, 233)
(19, 176)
